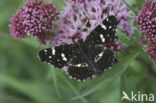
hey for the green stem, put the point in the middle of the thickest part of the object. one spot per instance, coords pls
(122, 86)
(54, 78)
(108, 11)
(131, 8)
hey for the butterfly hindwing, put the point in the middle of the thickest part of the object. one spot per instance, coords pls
(104, 59)
(104, 32)
(58, 56)
(79, 68)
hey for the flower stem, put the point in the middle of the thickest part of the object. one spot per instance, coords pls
(108, 11)
(53, 73)
(131, 8)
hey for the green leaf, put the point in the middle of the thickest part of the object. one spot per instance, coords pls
(58, 3)
(36, 91)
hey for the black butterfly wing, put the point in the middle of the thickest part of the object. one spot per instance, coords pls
(58, 56)
(79, 68)
(104, 59)
(104, 32)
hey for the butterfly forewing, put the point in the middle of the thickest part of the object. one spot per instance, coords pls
(104, 32)
(58, 56)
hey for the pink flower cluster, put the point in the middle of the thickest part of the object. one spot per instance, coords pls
(35, 19)
(147, 23)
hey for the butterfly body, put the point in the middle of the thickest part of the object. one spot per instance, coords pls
(86, 58)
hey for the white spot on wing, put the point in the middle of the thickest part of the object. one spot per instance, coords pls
(63, 57)
(107, 19)
(84, 65)
(98, 57)
(53, 50)
(102, 38)
(45, 50)
(80, 65)
(103, 26)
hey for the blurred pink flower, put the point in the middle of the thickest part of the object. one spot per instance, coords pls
(35, 19)
(17, 28)
(147, 23)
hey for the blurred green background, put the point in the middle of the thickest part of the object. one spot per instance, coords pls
(24, 79)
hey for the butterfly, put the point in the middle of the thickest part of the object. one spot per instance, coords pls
(85, 58)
